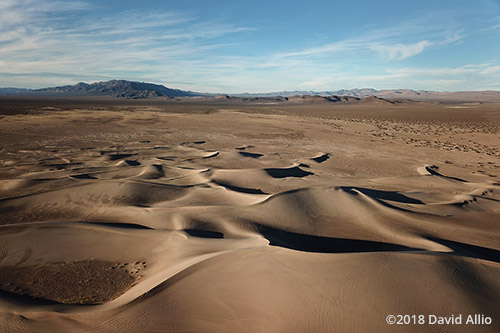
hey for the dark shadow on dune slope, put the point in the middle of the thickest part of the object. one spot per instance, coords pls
(114, 157)
(311, 243)
(132, 162)
(383, 195)
(214, 154)
(468, 250)
(62, 166)
(121, 225)
(239, 189)
(166, 158)
(252, 155)
(320, 159)
(432, 171)
(243, 147)
(12, 297)
(83, 176)
(204, 233)
(490, 199)
(462, 203)
(287, 172)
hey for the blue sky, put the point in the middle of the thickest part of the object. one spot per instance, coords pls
(253, 46)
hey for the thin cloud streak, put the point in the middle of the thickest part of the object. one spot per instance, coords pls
(386, 41)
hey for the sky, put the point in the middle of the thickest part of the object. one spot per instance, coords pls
(253, 46)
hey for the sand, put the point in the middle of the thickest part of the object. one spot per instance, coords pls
(189, 217)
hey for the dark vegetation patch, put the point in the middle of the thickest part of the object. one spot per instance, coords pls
(67, 282)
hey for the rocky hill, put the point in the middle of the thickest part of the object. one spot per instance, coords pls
(113, 88)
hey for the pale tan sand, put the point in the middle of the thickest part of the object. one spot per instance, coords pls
(183, 217)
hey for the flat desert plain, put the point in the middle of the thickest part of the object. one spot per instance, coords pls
(169, 216)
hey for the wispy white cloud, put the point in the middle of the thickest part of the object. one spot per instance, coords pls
(67, 40)
(46, 42)
(491, 27)
(399, 42)
(491, 70)
(15, 12)
(401, 51)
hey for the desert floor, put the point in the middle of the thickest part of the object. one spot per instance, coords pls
(184, 217)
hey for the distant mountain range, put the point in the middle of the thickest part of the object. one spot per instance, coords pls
(397, 94)
(302, 99)
(141, 90)
(113, 88)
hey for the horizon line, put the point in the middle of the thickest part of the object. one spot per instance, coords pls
(256, 93)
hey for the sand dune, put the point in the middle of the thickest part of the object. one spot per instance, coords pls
(244, 221)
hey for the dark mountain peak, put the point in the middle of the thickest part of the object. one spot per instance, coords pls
(113, 88)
